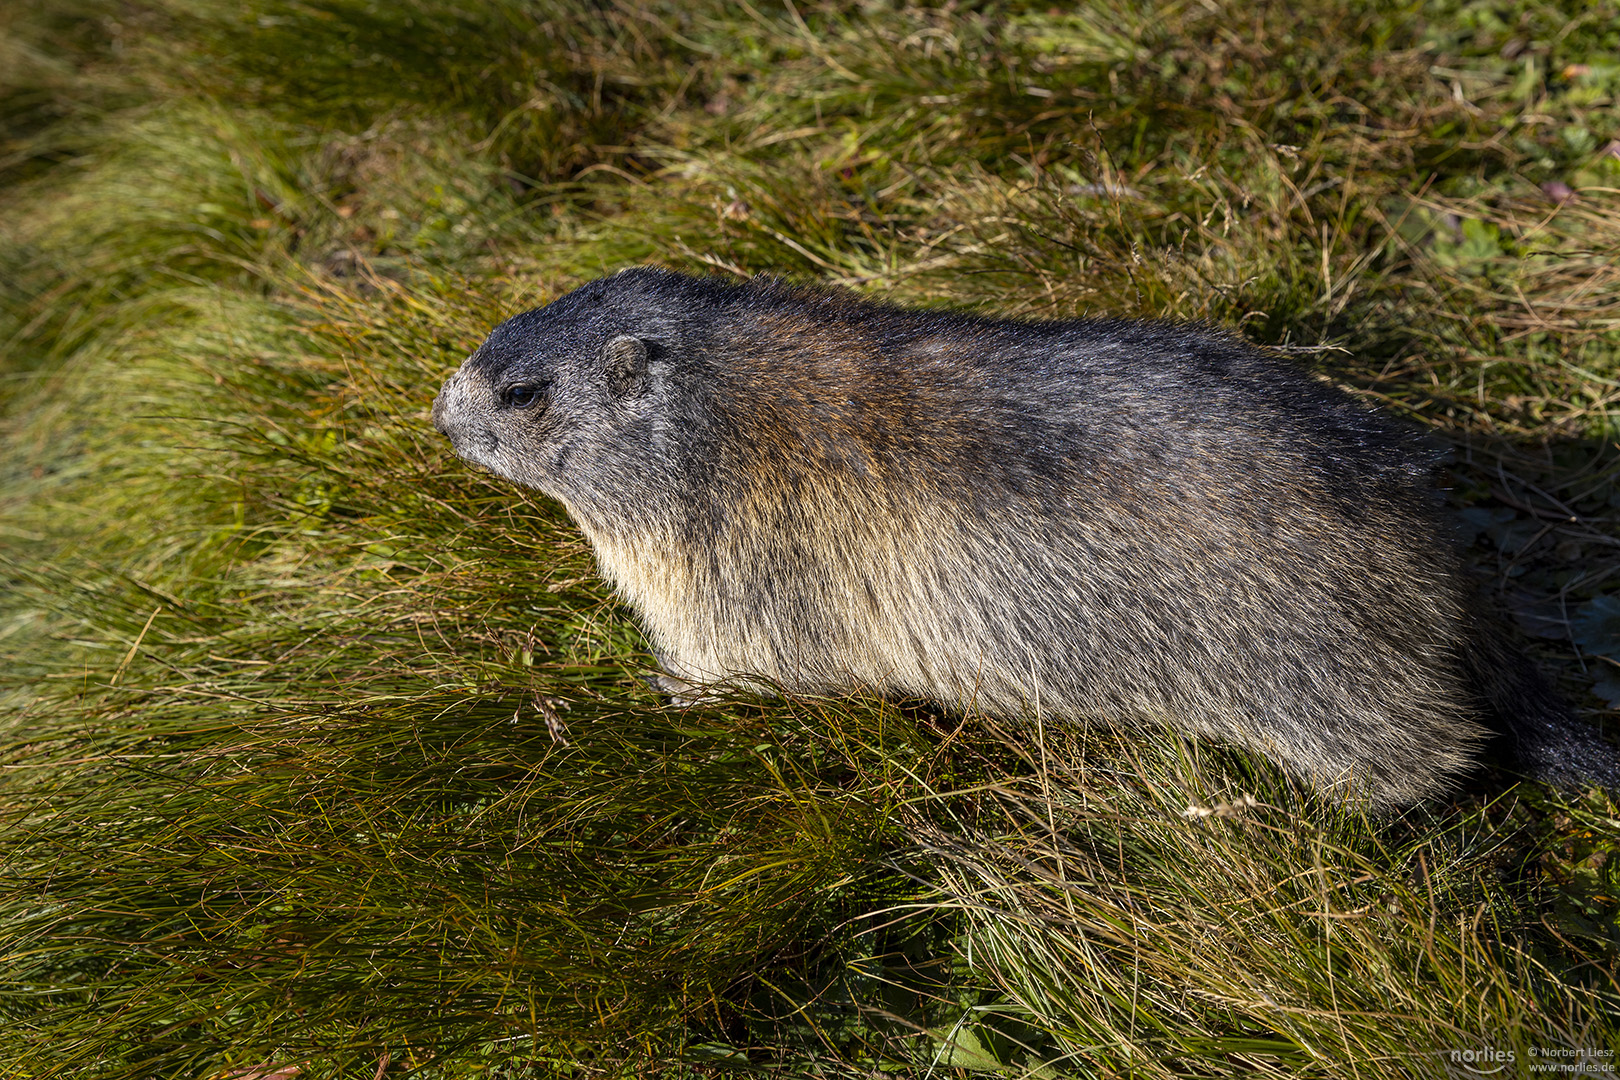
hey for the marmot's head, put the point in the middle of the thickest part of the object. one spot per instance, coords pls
(565, 398)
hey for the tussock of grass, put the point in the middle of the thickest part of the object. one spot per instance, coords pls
(324, 751)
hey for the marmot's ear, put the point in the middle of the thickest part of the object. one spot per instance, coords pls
(624, 363)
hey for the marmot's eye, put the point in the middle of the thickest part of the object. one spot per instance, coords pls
(521, 397)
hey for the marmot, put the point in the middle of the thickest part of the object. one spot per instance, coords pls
(1139, 523)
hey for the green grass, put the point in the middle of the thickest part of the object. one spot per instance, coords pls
(323, 750)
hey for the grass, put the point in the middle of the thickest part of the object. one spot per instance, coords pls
(323, 752)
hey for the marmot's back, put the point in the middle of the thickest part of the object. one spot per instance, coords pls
(1135, 522)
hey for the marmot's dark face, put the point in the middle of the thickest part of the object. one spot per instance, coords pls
(553, 397)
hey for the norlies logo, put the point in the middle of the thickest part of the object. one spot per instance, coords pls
(1486, 1062)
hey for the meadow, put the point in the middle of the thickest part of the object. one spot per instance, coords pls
(325, 755)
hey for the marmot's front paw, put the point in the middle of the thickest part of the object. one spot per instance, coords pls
(681, 693)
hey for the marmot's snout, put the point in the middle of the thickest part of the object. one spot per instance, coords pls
(456, 415)
(441, 405)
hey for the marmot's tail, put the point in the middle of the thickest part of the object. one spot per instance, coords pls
(1540, 735)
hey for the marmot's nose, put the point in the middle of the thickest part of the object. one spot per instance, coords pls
(441, 406)
(438, 412)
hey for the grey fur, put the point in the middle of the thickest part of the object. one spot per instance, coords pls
(1133, 522)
